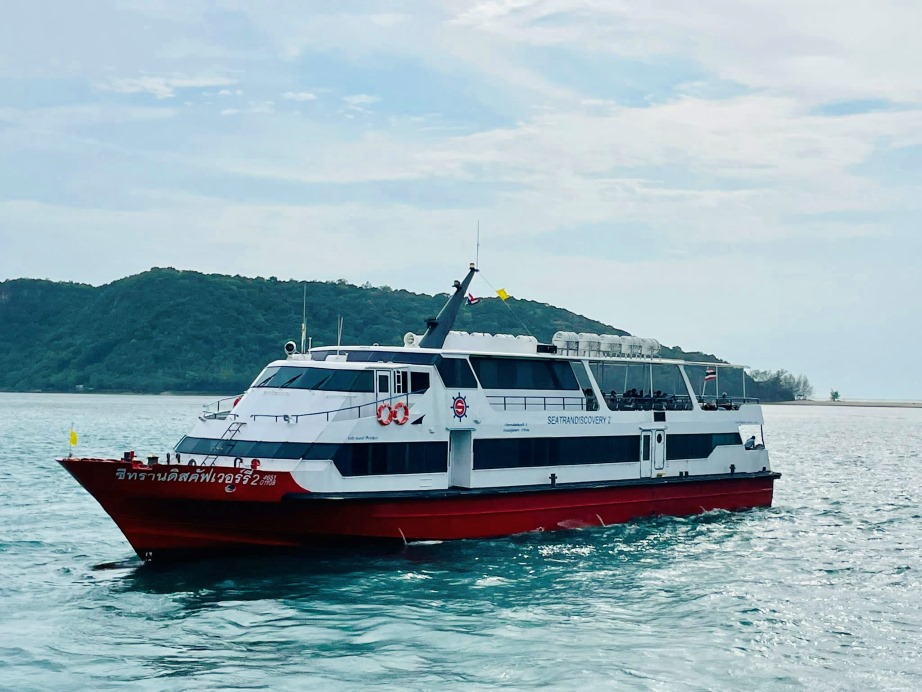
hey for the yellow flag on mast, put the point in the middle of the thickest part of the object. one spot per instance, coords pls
(73, 437)
(502, 294)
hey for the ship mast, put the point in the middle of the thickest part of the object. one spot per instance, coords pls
(438, 327)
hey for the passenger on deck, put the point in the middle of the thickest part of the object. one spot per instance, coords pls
(750, 443)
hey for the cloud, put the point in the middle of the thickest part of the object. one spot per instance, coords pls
(744, 158)
(360, 99)
(299, 96)
(160, 87)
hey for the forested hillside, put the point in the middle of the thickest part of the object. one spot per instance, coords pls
(182, 331)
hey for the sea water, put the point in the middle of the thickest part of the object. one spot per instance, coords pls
(822, 591)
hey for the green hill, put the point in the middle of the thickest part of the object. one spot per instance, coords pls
(183, 331)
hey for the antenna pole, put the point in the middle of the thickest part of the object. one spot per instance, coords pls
(304, 320)
(477, 255)
(339, 334)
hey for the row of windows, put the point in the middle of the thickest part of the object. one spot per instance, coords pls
(554, 451)
(374, 459)
(245, 448)
(698, 446)
(521, 373)
(418, 382)
(431, 457)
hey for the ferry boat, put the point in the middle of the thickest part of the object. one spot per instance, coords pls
(449, 436)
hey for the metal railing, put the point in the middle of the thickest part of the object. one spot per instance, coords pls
(538, 403)
(670, 402)
(725, 403)
(220, 409)
(371, 406)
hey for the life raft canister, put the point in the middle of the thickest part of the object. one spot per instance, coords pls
(385, 414)
(401, 413)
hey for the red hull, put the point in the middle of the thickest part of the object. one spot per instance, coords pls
(216, 509)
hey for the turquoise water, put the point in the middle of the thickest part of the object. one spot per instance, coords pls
(822, 591)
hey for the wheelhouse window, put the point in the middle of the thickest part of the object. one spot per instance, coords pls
(284, 377)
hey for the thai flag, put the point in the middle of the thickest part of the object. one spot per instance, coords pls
(471, 300)
(710, 374)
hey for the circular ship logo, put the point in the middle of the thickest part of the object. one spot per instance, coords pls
(459, 406)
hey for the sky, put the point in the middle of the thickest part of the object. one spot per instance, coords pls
(738, 177)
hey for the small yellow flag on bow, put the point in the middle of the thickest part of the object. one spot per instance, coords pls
(73, 437)
(502, 294)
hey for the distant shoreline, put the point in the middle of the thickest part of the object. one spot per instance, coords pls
(851, 402)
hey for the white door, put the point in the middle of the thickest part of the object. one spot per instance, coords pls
(383, 384)
(659, 449)
(646, 454)
(460, 458)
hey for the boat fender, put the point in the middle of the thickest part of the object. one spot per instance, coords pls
(385, 414)
(401, 413)
(254, 464)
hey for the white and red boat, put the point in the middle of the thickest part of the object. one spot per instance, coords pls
(450, 436)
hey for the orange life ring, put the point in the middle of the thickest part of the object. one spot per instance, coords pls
(385, 414)
(401, 413)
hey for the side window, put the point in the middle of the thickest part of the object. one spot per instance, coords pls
(419, 382)
(456, 372)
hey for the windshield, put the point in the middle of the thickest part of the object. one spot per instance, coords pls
(284, 377)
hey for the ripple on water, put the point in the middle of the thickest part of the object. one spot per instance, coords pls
(818, 592)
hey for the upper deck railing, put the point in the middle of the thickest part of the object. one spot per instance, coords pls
(725, 403)
(668, 402)
(220, 409)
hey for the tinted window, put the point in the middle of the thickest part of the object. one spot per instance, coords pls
(349, 381)
(419, 382)
(381, 357)
(456, 372)
(387, 458)
(265, 377)
(554, 451)
(698, 446)
(520, 373)
(249, 449)
(317, 378)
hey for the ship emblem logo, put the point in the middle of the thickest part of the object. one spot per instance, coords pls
(459, 406)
